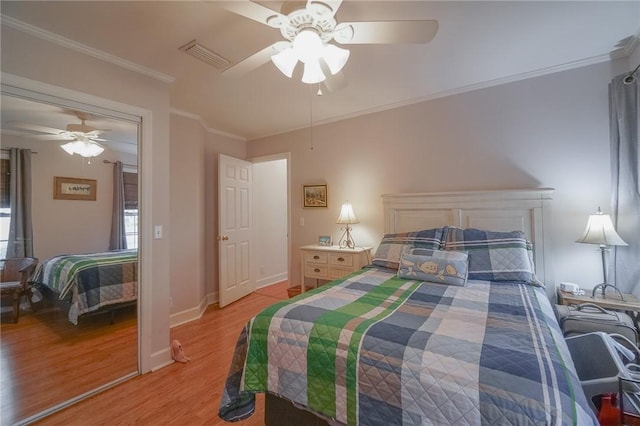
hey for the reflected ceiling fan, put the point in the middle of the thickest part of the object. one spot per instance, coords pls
(83, 139)
(310, 28)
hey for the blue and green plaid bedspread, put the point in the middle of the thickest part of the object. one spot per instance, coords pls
(377, 349)
(91, 281)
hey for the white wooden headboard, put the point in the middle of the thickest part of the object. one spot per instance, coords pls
(527, 210)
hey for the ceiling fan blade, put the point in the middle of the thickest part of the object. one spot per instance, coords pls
(332, 4)
(34, 127)
(253, 11)
(47, 137)
(385, 32)
(254, 61)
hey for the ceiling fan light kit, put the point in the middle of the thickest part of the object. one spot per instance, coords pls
(84, 147)
(309, 31)
(308, 48)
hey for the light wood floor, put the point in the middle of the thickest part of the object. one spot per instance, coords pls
(185, 394)
(45, 359)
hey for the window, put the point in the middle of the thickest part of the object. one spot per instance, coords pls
(131, 208)
(5, 207)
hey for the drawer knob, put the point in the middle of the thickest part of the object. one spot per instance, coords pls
(316, 257)
(341, 259)
(316, 270)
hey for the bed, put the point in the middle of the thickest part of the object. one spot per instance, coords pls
(90, 282)
(451, 323)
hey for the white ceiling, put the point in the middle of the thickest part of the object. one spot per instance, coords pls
(478, 44)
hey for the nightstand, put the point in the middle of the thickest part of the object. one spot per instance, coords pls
(630, 304)
(328, 263)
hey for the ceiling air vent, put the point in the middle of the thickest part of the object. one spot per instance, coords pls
(197, 50)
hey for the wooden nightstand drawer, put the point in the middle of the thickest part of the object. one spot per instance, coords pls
(341, 260)
(316, 271)
(316, 257)
(331, 262)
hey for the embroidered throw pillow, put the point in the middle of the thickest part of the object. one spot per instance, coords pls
(435, 266)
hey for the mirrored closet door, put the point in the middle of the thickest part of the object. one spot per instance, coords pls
(81, 332)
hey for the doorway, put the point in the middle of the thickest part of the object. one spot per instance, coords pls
(271, 219)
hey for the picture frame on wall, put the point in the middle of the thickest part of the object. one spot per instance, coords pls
(67, 188)
(314, 195)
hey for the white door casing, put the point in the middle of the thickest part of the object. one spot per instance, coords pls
(234, 229)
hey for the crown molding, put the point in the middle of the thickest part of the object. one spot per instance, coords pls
(82, 48)
(204, 125)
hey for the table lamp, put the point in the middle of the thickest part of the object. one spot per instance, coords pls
(600, 231)
(347, 217)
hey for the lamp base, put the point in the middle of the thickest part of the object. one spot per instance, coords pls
(604, 286)
(346, 241)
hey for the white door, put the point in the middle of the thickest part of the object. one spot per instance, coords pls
(234, 227)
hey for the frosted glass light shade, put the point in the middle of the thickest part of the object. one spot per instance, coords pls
(600, 231)
(83, 148)
(312, 73)
(307, 45)
(286, 61)
(346, 215)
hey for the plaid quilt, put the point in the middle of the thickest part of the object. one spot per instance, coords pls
(91, 281)
(377, 349)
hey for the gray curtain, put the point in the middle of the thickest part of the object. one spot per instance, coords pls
(20, 242)
(118, 240)
(624, 107)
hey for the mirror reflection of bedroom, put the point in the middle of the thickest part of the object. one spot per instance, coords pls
(70, 200)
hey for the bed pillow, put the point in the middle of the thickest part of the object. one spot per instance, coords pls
(494, 256)
(435, 266)
(392, 246)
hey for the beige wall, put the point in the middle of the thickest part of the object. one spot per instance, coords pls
(74, 74)
(194, 217)
(67, 226)
(549, 131)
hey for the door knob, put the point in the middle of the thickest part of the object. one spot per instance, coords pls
(223, 238)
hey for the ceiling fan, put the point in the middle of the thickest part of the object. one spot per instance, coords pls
(83, 139)
(308, 30)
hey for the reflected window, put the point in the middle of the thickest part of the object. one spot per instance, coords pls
(131, 208)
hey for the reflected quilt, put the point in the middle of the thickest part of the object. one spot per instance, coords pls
(91, 281)
(377, 349)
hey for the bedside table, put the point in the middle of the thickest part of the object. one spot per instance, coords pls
(331, 262)
(630, 304)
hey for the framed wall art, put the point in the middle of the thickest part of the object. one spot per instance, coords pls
(66, 188)
(314, 195)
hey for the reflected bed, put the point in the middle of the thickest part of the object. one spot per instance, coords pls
(90, 282)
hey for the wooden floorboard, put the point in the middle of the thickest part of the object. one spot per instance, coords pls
(45, 359)
(180, 393)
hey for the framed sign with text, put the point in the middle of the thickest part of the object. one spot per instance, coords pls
(66, 188)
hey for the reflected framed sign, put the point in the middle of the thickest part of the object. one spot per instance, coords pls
(66, 188)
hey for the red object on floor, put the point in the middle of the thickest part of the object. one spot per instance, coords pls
(609, 414)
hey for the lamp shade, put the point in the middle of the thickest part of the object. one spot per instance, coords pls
(346, 215)
(600, 231)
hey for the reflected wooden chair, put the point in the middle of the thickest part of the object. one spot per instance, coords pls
(14, 280)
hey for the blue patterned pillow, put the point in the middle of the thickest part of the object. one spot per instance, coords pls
(494, 256)
(435, 266)
(392, 246)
